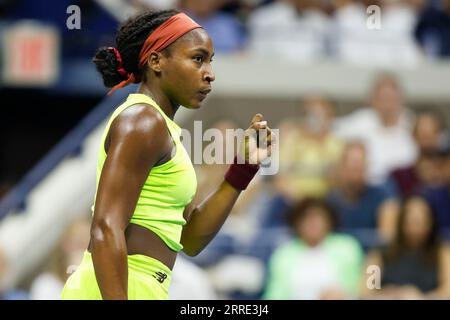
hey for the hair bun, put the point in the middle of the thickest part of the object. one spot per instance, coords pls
(107, 64)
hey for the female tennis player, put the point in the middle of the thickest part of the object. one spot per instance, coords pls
(143, 211)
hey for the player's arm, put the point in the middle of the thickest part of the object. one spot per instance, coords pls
(135, 142)
(206, 219)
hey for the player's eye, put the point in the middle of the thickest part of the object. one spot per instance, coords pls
(198, 59)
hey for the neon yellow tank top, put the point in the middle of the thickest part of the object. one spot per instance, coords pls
(169, 187)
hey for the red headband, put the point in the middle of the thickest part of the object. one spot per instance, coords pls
(172, 29)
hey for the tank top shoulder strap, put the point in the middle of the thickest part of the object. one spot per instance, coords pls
(136, 98)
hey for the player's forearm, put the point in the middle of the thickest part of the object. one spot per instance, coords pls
(207, 219)
(109, 255)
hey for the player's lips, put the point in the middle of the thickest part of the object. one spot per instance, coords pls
(203, 93)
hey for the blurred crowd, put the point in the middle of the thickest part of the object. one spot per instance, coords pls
(399, 32)
(395, 32)
(369, 189)
(360, 209)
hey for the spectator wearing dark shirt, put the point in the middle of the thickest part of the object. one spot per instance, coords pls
(433, 30)
(225, 29)
(439, 196)
(424, 173)
(429, 136)
(367, 212)
(416, 264)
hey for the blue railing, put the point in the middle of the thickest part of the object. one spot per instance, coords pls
(71, 144)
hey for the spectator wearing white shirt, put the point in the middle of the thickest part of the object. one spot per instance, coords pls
(385, 128)
(292, 29)
(355, 38)
(190, 282)
(64, 261)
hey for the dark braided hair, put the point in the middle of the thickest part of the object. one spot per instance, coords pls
(130, 39)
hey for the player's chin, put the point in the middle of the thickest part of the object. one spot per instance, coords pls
(195, 103)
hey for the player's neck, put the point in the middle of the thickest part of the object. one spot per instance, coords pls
(160, 98)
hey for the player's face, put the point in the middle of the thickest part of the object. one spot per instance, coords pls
(188, 74)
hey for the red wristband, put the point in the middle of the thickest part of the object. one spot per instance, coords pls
(240, 175)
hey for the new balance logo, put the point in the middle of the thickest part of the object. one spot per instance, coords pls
(160, 276)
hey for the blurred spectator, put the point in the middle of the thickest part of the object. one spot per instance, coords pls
(318, 263)
(433, 30)
(8, 294)
(416, 265)
(349, 32)
(293, 29)
(190, 282)
(389, 44)
(423, 174)
(385, 128)
(244, 220)
(368, 212)
(210, 175)
(439, 196)
(308, 151)
(237, 276)
(67, 256)
(429, 131)
(225, 30)
(430, 137)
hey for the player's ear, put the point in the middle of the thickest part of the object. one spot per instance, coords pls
(155, 61)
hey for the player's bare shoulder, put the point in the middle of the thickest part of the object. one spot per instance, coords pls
(141, 122)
